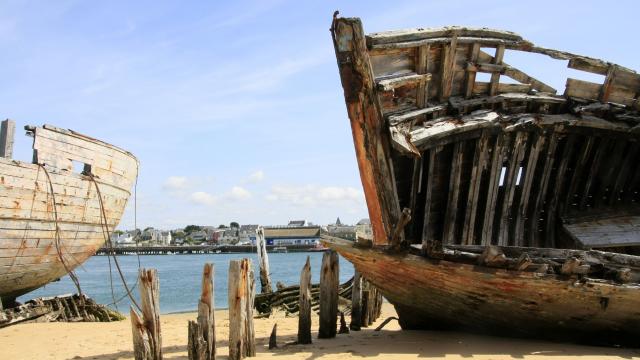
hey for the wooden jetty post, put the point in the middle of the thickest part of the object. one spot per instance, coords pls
(304, 305)
(356, 302)
(241, 294)
(7, 132)
(261, 245)
(329, 282)
(147, 341)
(202, 333)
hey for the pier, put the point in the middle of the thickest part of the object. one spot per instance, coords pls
(203, 249)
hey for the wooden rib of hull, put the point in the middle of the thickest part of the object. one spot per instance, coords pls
(29, 242)
(438, 294)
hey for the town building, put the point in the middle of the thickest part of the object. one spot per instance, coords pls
(363, 230)
(341, 231)
(292, 235)
(247, 234)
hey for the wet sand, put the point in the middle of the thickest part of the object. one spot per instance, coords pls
(101, 341)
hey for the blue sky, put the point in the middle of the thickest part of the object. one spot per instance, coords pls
(235, 109)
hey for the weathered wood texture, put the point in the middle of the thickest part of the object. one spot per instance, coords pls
(431, 294)
(618, 231)
(28, 244)
(263, 258)
(329, 282)
(304, 305)
(356, 302)
(241, 293)
(202, 334)
(147, 338)
(367, 123)
(7, 133)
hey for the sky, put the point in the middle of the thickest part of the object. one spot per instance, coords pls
(235, 108)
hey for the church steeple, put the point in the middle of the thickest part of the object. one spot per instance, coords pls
(338, 221)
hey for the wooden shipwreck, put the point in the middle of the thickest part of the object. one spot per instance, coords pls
(496, 206)
(57, 211)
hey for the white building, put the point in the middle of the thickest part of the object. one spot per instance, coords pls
(363, 230)
(247, 234)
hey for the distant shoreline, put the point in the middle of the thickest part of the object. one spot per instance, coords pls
(204, 249)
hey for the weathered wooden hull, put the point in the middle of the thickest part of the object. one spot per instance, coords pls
(439, 294)
(31, 250)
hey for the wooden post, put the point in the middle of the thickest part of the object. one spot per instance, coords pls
(273, 338)
(202, 336)
(241, 289)
(304, 305)
(147, 341)
(344, 329)
(356, 302)
(261, 247)
(329, 282)
(7, 132)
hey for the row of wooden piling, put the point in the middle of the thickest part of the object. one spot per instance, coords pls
(147, 339)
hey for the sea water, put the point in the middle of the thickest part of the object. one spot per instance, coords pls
(180, 277)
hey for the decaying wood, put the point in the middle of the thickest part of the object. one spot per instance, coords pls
(147, 339)
(366, 122)
(329, 282)
(202, 335)
(241, 289)
(273, 338)
(263, 259)
(344, 329)
(7, 132)
(304, 305)
(356, 302)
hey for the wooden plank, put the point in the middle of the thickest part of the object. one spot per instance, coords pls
(578, 173)
(518, 75)
(471, 75)
(453, 195)
(481, 88)
(510, 184)
(238, 297)
(150, 305)
(416, 180)
(367, 123)
(7, 133)
(447, 68)
(607, 232)
(527, 183)
(429, 243)
(397, 119)
(495, 76)
(304, 305)
(626, 169)
(583, 89)
(609, 174)
(206, 312)
(481, 156)
(356, 302)
(534, 238)
(329, 283)
(499, 152)
(263, 259)
(558, 192)
(389, 84)
(406, 35)
(422, 63)
(595, 168)
(605, 90)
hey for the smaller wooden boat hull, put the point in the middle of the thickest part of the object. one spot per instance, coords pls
(439, 294)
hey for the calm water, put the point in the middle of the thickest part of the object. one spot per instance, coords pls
(180, 277)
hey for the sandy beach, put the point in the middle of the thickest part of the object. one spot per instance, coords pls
(102, 341)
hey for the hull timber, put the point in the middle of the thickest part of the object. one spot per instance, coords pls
(456, 169)
(29, 246)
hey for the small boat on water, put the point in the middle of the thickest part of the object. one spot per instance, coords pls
(497, 206)
(55, 212)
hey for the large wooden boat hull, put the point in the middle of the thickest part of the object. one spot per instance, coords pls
(440, 294)
(41, 240)
(465, 169)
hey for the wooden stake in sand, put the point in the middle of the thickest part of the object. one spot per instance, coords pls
(147, 342)
(241, 295)
(7, 131)
(261, 245)
(304, 305)
(202, 335)
(329, 282)
(356, 302)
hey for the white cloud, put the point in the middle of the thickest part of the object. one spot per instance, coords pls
(239, 193)
(312, 195)
(175, 183)
(256, 177)
(203, 198)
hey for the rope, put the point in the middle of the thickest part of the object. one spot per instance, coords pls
(72, 275)
(107, 235)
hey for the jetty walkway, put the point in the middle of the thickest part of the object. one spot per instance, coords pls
(203, 249)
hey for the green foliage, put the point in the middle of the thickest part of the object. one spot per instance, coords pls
(192, 228)
(222, 226)
(234, 225)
